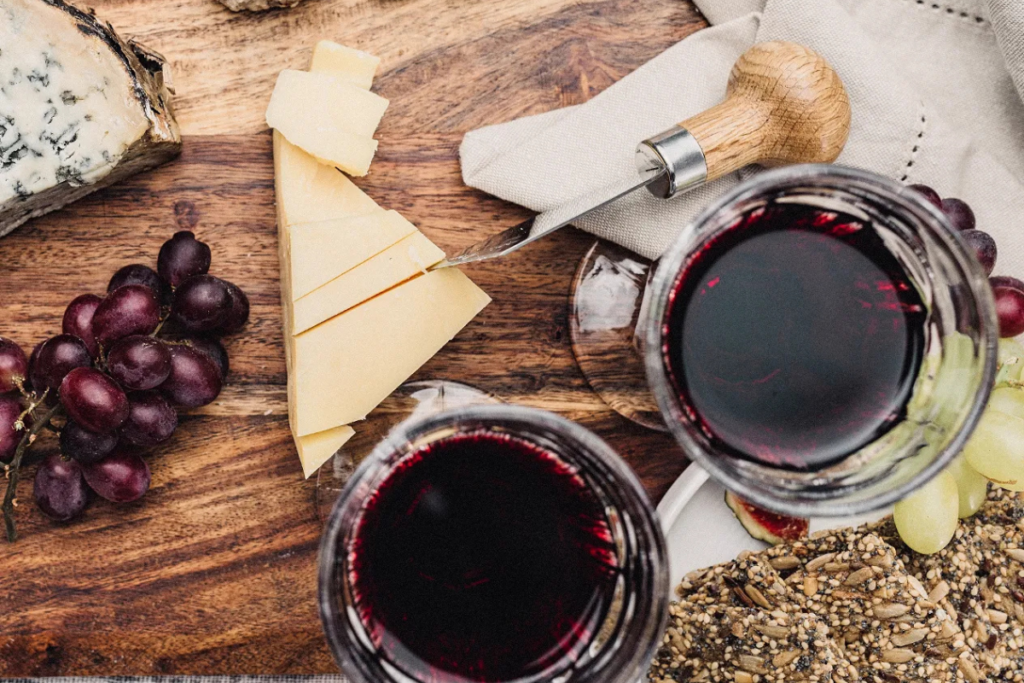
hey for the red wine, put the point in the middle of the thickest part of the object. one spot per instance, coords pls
(482, 557)
(794, 337)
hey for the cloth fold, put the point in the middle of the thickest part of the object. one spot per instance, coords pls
(936, 88)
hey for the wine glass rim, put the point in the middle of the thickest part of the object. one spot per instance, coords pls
(843, 178)
(404, 438)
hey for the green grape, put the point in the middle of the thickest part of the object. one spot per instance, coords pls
(1010, 362)
(928, 517)
(996, 449)
(939, 393)
(1008, 400)
(972, 487)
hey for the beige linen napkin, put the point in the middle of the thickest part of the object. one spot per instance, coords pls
(936, 88)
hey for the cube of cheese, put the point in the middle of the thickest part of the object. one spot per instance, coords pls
(322, 251)
(308, 191)
(329, 118)
(396, 264)
(355, 66)
(345, 367)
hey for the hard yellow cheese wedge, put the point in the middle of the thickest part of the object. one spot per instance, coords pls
(355, 66)
(396, 264)
(329, 118)
(345, 367)
(315, 192)
(322, 251)
(316, 449)
(309, 192)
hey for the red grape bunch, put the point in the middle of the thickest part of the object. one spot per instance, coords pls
(112, 383)
(1008, 291)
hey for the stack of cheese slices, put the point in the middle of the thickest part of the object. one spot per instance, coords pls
(362, 313)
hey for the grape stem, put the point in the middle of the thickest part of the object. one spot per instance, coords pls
(14, 469)
(159, 327)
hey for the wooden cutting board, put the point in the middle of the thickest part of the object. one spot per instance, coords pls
(214, 571)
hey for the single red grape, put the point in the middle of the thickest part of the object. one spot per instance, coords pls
(239, 314)
(60, 488)
(78, 320)
(55, 359)
(128, 310)
(138, 274)
(1010, 309)
(80, 444)
(929, 194)
(181, 257)
(958, 213)
(984, 248)
(202, 303)
(121, 477)
(215, 350)
(195, 379)
(10, 411)
(151, 420)
(13, 366)
(139, 362)
(93, 400)
(1006, 281)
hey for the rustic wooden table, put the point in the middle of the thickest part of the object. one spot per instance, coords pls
(214, 572)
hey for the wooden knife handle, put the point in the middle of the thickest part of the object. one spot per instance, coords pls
(784, 105)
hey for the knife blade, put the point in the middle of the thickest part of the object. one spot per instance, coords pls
(545, 223)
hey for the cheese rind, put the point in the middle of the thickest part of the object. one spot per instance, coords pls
(316, 449)
(257, 5)
(355, 66)
(80, 108)
(322, 251)
(400, 262)
(309, 192)
(327, 117)
(345, 367)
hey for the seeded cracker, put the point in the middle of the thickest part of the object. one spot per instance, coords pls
(737, 645)
(979, 577)
(748, 581)
(875, 611)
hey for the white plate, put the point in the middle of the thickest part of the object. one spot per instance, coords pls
(701, 530)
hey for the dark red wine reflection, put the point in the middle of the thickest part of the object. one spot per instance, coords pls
(794, 337)
(482, 557)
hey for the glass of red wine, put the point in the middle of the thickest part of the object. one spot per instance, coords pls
(820, 340)
(493, 543)
(412, 400)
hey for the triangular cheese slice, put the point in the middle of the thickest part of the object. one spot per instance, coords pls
(396, 264)
(316, 449)
(355, 66)
(322, 251)
(327, 117)
(345, 367)
(308, 191)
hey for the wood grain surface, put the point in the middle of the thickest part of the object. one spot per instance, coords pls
(213, 572)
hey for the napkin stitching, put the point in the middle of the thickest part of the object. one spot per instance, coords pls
(952, 12)
(917, 144)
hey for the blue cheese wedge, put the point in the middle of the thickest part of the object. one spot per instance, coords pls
(80, 108)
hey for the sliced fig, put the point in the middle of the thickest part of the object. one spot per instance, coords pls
(765, 525)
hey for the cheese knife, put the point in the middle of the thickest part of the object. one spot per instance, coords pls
(784, 105)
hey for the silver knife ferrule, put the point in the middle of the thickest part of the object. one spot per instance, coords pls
(679, 154)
